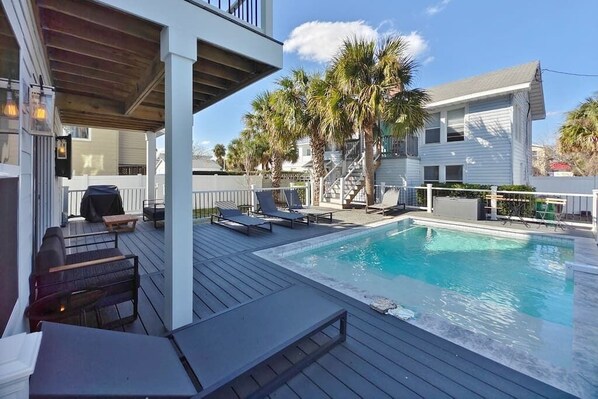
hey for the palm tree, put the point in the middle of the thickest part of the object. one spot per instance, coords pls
(266, 119)
(220, 152)
(375, 79)
(303, 102)
(579, 133)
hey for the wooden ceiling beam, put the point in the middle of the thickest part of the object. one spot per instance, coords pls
(211, 81)
(76, 45)
(152, 77)
(93, 63)
(95, 92)
(107, 17)
(226, 58)
(91, 82)
(118, 124)
(219, 71)
(54, 21)
(58, 66)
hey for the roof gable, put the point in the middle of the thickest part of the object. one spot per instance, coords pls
(521, 77)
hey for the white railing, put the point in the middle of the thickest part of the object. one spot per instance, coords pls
(132, 200)
(579, 210)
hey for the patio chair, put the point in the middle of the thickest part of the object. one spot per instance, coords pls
(200, 359)
(61, 276)
(294, 205)
(553, 211)
(390, 202)
(267, 207)
(153, 210)
(229, 212)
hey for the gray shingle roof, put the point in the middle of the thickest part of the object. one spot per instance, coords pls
(512, 76)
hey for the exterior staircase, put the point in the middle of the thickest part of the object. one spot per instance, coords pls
(340, 189)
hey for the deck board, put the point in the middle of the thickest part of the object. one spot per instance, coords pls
(382, 357)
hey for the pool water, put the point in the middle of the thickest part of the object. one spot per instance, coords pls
(511, 290)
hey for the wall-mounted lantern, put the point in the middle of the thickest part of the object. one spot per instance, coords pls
(10, 108)
(41, 108)
(63, 158)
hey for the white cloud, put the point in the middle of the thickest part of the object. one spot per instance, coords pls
(205, 142)
(436, 8)
(428, 60)
(319, 41)
(550, 114)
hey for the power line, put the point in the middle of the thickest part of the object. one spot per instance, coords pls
(585, 75)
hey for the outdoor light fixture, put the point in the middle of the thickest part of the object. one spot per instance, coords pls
(40, 112)
(61, 148)
(10, 110)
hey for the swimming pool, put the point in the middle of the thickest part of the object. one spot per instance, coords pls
(512, 290)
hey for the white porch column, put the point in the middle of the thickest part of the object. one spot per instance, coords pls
(179, 52)
(150, 165)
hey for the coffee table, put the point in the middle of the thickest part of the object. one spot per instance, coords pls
(120, 223)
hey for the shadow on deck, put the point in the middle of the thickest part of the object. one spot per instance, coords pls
(383, 357)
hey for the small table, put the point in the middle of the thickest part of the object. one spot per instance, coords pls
(516, 207)
(63, 305)
(246, 208)
(120, 223)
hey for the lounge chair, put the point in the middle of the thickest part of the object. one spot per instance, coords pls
(228, 211)
(268, 207)
(294, 205)
(199, 359)
(153, 210)
(390, 202)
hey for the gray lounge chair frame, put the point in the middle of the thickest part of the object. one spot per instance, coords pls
(267, 207)
(228, 211)
(199, 359)
(294, 205)
(390, 202)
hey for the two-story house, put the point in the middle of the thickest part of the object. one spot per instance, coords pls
(479, 131)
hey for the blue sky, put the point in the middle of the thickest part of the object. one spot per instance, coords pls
(451, 39)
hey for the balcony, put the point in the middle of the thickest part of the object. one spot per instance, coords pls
(256, 13)
(392, 147)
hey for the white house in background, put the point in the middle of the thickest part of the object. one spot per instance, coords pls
(479, 131)
(201, 163)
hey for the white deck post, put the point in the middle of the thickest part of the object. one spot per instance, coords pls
(595, 213)
(342, 191)
(321, 183)
(493, 203)
(178, 51)
(267, 14)
(150, 165)
(429, 198)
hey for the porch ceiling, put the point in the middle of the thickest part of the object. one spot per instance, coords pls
(106, 67)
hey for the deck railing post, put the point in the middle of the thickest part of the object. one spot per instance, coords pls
(342, 191)
(252, 187)
(493, 203)
(266, 17)
(595, 213)
(382, 190)
(321, 182)
(429, 198)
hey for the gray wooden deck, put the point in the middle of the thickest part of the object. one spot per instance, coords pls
(382, 357)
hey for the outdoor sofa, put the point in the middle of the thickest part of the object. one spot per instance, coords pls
(65, 278)
(153, 210)
(197, 360)
(389, 202)
(267, 207)
(229, 212)
(294, 205)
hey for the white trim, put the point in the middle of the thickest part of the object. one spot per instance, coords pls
(482, 94)
(18, 355)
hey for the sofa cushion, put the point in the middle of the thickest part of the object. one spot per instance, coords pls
(86, 256)
(50, 254)
(56, 232)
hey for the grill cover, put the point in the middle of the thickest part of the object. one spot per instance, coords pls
(101, 201)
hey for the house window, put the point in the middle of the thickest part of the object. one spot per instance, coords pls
(431, 174)
(76, 132)
(433, 128)
(454, 173)
(455, 129)
(307, 152)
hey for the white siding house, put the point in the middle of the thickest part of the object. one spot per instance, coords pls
(479, 131)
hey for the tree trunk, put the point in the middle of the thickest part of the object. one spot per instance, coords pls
(318, 147)
(368, 138)
(276, 173)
